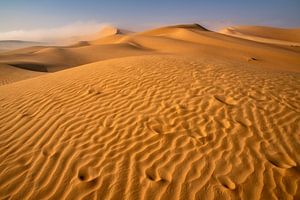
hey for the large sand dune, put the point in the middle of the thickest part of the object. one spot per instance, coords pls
(181, 40)
(266, 34)
(178, 112)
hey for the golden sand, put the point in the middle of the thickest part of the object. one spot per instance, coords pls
(173, 113)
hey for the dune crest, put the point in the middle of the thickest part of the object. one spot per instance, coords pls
(111, 30)
(273, 35)
(191, 39)
(164, 30)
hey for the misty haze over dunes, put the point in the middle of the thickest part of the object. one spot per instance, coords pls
(68, 33)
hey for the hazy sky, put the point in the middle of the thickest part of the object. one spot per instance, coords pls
(24, 15)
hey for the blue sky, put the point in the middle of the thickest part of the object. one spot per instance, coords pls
(139, 14)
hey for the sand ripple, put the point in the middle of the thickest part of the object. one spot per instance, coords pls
(151, 127)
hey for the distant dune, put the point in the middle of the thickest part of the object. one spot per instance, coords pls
(265, 34)
(6, 45)
(177, 112)
(110, 30)
(181, 39)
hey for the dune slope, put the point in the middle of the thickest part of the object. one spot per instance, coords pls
(266, 34)
(180, 40)
(177, 112)
(10, 74)
(152, 127)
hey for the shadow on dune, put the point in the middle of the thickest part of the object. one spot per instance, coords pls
(30, 66)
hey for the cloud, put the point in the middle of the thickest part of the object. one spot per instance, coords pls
(65, 33)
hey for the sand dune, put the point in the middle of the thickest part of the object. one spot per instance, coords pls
(178, 112)
(10, 74)
(8, 45)
(54, 59)
(266, 34)
(183, 39)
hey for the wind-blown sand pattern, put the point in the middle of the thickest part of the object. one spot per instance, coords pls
(178, 122)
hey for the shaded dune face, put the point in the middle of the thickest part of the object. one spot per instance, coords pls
(172, 113)
(30, 66)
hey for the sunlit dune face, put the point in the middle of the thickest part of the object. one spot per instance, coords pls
(147, 107)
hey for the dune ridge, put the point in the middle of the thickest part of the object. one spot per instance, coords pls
(190, 39)
(265, 34)
(163, 114)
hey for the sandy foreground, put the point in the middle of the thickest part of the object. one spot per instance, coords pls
(173, 113)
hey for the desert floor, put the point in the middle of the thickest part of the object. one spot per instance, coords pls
(177, 112)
